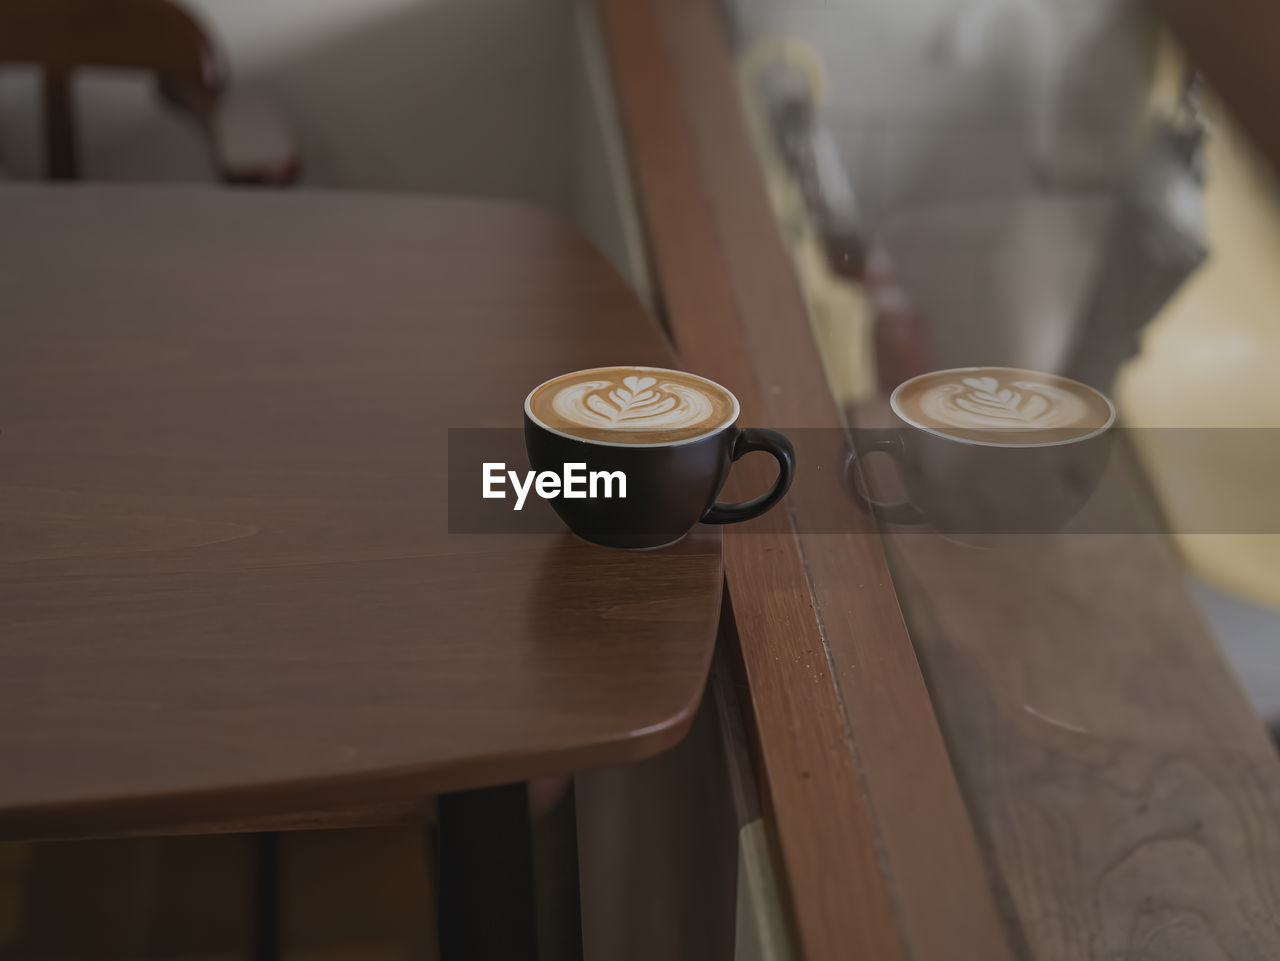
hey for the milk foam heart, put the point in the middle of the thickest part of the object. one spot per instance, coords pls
(1002, 404)
(639, 402)
(990, 402)
(632, 405)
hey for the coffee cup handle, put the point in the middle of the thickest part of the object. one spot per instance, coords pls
(771, 442)
(886, 442)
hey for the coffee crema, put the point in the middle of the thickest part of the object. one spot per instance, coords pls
(632, 405)
(1003, 405)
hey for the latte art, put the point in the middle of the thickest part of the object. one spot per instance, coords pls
(639, 403)
(632, 405)
(979, 402)
(1002, 405)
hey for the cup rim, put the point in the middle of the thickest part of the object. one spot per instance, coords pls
(893, 404)
(729, 422)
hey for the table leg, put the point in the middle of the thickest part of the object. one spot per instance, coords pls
(266, 896)
(555, 869)
(486, 876)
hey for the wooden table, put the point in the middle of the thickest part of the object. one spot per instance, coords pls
(228, 593)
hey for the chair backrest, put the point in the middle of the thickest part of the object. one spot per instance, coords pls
(60, 36)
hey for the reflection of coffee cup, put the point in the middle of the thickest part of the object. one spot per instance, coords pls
(994, 450)
(672, 435)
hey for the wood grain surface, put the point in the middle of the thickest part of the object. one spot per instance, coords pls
(227, 586)
(1127, 796)
(877, 848)
(827, 845)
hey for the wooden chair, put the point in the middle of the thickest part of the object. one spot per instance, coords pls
(249, 145)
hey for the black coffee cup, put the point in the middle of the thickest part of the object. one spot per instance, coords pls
(670, 485)
(989, 482)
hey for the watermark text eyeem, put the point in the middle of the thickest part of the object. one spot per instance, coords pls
(574, 483)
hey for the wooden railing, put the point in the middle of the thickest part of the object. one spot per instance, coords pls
(876, 846)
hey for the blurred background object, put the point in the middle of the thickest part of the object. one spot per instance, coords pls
(498, 98)
(1209, 361)
(62, 38)
(1155, 240)
(1046, 184)
(949, 100)
(389, 94)
(783, 81)
(1001, 157)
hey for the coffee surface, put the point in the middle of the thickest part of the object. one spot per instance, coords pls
(1002, 405)
(632, 405)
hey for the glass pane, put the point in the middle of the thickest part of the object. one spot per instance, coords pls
(1041, 185)
(1047, 186)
